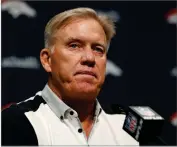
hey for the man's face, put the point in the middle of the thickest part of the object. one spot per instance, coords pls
(78, 61)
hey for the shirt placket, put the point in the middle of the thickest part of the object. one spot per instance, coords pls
(76, 127)
(95, 121)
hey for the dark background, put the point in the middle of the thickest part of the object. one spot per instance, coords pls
(144, 48)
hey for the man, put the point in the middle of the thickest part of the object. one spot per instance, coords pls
(66, 111)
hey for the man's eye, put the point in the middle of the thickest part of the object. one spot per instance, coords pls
(98, 49)
(74, 45)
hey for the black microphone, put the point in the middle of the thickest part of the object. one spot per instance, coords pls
(144, 125)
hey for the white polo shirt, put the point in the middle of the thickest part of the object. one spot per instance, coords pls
(55, 123)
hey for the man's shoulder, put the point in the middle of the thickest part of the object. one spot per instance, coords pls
(15, 122)
(113, 109)
(15, 112)
(115, 115)
(30, 104)
(114, 112)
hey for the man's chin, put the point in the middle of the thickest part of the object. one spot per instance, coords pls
(82, 90)
(89, 92)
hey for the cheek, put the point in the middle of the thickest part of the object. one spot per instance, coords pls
(63, 65)
(102, 68)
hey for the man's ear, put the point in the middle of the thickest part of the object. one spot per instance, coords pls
(45, 57)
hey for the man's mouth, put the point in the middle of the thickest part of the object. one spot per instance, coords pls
(86, 73)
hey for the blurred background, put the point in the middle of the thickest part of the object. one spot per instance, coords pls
(141, 66)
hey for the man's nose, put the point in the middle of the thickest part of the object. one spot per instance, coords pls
(88, 57)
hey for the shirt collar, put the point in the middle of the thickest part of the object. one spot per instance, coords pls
(98, 108)
(58, 106)
(54, 102)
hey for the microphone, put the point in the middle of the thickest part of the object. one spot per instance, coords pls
(144, 125)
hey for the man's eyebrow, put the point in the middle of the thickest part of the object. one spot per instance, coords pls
(71, 39)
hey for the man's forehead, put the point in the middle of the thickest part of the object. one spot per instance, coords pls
(83, 36)
(73, 32)
(80, 26)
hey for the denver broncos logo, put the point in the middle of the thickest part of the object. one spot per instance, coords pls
(17, 8)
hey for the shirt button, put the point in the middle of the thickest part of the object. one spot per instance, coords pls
(61, 117)
(80, 130)
(71, 112)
